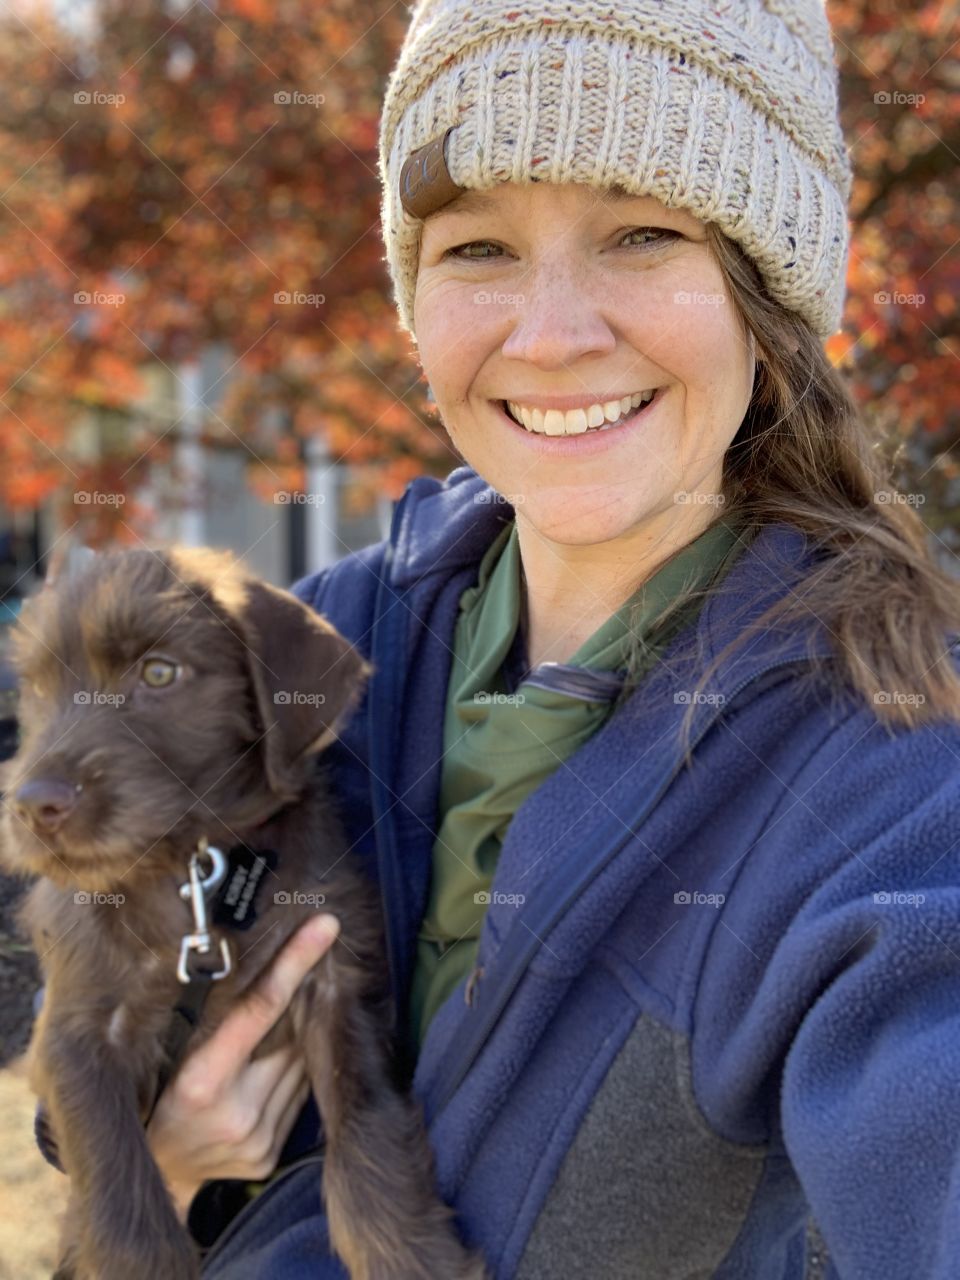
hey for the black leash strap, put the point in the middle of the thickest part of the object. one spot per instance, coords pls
(184, 1016)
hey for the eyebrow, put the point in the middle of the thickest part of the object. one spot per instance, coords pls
(472, 201)
(480, 201)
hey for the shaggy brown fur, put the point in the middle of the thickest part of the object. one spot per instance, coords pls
(115, 781)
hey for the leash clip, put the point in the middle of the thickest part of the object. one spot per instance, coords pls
(197, 888)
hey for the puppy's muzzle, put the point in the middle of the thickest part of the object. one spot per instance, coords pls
(44, 804)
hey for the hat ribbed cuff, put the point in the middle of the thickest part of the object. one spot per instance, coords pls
(600, 112)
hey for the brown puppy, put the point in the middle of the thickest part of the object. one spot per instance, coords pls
(169, 699)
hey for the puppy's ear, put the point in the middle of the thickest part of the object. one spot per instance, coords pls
(306, 677)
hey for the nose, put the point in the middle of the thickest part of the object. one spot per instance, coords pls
(560, 318)
(45, 802)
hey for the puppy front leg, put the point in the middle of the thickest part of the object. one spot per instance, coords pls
(386, 1220)
(71, 1233)
(121, 1222)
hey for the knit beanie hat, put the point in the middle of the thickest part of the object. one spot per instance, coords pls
(724, 108)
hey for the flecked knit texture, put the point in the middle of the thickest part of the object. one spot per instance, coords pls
(726, 108)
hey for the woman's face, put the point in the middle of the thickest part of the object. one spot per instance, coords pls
(559, 296)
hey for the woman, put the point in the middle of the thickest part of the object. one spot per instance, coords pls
(658, 767)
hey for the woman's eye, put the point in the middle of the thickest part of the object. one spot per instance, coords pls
(663, 233)
(652, 231)
(158, 672)
(455, 251)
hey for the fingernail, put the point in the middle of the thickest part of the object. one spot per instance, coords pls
(324, 927)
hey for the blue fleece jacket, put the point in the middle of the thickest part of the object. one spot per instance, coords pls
(720, 1035)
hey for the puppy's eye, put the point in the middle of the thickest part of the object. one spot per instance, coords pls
(158, 672)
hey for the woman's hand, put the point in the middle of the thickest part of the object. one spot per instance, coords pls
(223, 1116)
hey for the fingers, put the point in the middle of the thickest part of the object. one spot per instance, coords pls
(225, 1115)
(288, 1088)
(263, 1100)
(278, 1118)
(244, 1142)
(233, 1135)
(287, 1120)
(217, 1062)
(242, 1112)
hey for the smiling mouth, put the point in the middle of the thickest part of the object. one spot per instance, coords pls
(555, 425)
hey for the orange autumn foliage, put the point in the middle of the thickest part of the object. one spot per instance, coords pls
(223, 160)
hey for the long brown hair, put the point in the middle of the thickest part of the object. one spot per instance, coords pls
(805, 456)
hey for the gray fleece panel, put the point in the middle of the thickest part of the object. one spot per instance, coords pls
(646, 1189)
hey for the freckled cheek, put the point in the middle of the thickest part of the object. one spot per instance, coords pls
(455, 339)
(693, 336)
(648, 314)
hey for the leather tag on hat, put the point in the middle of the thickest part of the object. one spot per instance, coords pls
(425, 182)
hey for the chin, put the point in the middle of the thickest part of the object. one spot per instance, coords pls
(580, 524)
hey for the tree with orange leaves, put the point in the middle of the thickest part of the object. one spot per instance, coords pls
(172, 181)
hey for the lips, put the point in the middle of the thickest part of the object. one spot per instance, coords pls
(598, 416)
(582, 444)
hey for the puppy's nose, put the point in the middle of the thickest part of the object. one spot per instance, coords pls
(45, 802)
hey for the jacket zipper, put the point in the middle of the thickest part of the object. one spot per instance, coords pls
(525, 937)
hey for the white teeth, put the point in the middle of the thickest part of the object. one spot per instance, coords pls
(576, 421)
